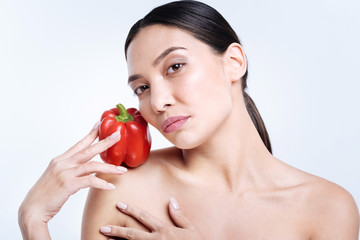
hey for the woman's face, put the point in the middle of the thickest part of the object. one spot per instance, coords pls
(181, 84)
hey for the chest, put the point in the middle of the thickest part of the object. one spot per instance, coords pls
(224, 218)
(219, 216)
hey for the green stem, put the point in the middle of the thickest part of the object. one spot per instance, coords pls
(124, 115)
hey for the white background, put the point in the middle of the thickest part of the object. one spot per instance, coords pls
(62, 65)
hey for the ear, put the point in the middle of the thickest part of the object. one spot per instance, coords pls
(235, 62)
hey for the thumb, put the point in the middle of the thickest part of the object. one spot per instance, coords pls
(177, 214)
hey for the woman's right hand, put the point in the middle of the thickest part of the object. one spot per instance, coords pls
(65, 175)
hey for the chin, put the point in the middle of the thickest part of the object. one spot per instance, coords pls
(185, 146)
(185, 142)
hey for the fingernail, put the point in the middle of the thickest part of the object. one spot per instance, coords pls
(121, 205)
(115, 135)
(174, 204)
(96, 126)
(111, 186)
(122, 169)
(105, 229)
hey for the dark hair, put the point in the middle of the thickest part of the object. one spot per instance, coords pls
(210, 27)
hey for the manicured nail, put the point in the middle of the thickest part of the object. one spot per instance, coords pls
(174, 204)
(122, 169)
(115, 135)
(121, 205)
(96, 126)
(105, 229)
(111, 186)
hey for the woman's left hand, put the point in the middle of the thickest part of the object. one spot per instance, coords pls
(182, 229)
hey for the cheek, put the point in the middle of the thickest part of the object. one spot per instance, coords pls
(145, 111)
(205, 87)
(210, 104)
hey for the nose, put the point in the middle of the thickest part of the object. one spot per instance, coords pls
(161, 97)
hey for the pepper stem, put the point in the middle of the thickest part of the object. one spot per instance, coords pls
(124, 115)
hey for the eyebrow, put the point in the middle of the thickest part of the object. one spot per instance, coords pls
(133, 77)
(156, 61)
(164, 54)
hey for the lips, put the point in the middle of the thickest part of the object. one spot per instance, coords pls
(173, 123)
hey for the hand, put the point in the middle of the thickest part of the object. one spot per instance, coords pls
(183, 229)
(65, 175)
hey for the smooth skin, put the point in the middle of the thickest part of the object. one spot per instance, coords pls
(225, 182)
(65, 175)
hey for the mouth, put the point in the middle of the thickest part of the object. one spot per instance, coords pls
(173, 123)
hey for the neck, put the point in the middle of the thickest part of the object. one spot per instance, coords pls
(234, 157)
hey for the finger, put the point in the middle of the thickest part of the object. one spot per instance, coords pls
(82, 144)
(142, 216)
(127, 233)
(177, 215)
(97, 167)
(91, 151)
(92, 181)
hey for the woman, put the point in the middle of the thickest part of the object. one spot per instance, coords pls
(220, 180)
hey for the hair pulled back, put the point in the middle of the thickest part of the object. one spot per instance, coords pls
(210, 27)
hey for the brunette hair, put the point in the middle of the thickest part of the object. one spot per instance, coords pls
(210, 27)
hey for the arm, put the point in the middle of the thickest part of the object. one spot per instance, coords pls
(100, 209)
(180, 228)
(31, 228)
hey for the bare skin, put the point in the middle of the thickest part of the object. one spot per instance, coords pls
(305, 208)
(65, 175)
(227, 183)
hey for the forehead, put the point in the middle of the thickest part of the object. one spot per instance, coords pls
(153, 40)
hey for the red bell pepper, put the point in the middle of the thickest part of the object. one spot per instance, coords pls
(135, 143)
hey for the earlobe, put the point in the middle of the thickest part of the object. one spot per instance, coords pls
(235, 61)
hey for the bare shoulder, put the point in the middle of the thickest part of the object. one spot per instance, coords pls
(137, 186)
(324, 209)
(156, 167)
(330, 209)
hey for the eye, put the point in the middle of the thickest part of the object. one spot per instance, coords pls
(140, 90)
(175, 67)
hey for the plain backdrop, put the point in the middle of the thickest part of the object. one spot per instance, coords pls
(62, 64)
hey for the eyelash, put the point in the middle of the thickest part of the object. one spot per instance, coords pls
(142, 88)
(179, 66)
